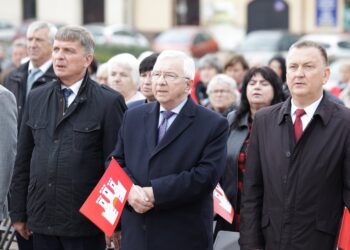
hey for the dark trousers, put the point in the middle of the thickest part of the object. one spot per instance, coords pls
(24, 244)
(49, 242)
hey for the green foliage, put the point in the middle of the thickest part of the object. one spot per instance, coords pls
(104, 52)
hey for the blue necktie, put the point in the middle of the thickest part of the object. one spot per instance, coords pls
(66, 93)
(164, 124)
(34, 74)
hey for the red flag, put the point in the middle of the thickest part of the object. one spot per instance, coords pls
(106, 202)
(344, 234)
(222, 206)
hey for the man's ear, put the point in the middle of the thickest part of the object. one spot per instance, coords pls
(88, 60)
(189, 84)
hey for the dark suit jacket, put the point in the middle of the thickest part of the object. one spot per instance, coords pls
(229, 180)
(294, 193)
(183, 170)
(16, 82)
(135, 104)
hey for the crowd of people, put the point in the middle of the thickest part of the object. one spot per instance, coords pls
(276, 141)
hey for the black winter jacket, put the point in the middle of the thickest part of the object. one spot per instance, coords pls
(61, 157)
(16, 82)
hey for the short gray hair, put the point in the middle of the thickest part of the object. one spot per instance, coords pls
(311, 44)
(38, 25)
(230, 82)
(127, 61)
(189, 67)
(20, 43)
(77, 33)
(212, 61)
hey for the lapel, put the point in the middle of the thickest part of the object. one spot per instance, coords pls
(181, 122)
(237, 136)
(151, 123)
(79, 99)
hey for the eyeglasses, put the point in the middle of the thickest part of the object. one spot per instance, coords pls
(168, 77)
(220, 91)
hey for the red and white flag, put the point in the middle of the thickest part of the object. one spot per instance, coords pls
(106, 202)
(344, 234)
(222, 206)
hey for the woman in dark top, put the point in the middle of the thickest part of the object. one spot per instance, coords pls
(261, 87)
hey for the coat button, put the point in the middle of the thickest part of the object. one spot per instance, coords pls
(288, 154)
(56, 141)
(144, 227)
(284, 179)
(50, 184)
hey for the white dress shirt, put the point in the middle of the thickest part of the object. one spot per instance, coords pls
(75, 88)
(175, 110)
(309, 110)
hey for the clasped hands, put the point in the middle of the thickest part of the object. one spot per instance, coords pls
(141, 199)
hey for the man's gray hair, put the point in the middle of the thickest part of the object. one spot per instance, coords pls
(20, 43)
(127, 61)
(210, 60)
(77, 33)
(38, 25)
(311, 44)
(189, 67)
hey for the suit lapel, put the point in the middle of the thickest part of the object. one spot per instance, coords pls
(151, 124)
(181, 122)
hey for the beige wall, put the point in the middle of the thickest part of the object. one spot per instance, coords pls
(11, 11)
(65, 11)
(158, 15)
(153, 15)
(114, 11)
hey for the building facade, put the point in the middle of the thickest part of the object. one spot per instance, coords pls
(158, 15)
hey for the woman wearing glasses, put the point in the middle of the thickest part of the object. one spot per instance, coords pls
(223, 94)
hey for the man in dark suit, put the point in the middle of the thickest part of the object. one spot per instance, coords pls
(38, 70)
(69, 128)
(174, 151)
(297, 178)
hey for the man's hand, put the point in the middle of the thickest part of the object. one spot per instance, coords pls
(149, 193)
(21, 228)
(114, 241)
(139, 200)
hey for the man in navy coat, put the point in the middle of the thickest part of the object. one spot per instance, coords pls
(170, 205)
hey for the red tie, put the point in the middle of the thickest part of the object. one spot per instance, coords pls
(298, 124)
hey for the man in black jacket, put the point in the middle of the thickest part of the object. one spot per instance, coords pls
(38, 70)
(296, 182)
(40, 36)
(69, 127)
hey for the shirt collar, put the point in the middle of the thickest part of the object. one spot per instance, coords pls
(177, 109)
(309, 110)
(43, 68)
(74, 87)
